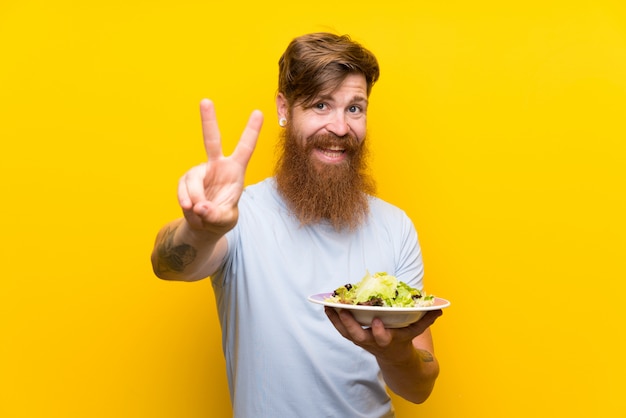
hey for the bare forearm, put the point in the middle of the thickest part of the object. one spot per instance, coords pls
(180, 253)
(412, 378)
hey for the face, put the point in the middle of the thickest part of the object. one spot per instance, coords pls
(322, 170)
(339, 113)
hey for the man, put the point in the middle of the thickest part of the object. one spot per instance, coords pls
(312, 227)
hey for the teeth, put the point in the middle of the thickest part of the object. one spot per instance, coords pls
(332, 152)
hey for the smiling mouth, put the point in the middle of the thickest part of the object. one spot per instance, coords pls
(332, 152)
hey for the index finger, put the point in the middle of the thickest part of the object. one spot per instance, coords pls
(210, 130)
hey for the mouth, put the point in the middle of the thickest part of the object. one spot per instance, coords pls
(330, 149)
(332, 152)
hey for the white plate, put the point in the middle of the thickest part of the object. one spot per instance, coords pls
(391, 317)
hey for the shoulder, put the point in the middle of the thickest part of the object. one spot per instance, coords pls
(259, 196)
(383, 211)
(263, 190)
(391, 223)
(256, 189)
(261, 201)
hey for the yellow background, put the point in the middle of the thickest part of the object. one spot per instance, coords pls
(498, 126)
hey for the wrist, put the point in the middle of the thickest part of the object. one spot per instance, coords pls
(399, 356)
(191, 234)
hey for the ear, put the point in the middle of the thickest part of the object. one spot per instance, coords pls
(282, 107)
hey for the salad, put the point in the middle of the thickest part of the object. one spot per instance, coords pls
(381, 289)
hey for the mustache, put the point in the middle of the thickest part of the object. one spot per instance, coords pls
(348, 142)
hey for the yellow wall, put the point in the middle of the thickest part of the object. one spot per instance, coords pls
(499, 128)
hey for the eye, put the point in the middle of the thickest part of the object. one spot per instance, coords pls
(355, 109)
(320, 106)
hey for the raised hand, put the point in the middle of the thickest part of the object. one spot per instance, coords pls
(209, 193)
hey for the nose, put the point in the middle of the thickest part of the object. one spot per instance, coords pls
(338, 124)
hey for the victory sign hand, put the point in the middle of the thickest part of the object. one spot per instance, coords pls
(209, 193)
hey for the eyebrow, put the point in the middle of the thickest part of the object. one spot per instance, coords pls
(355, 99)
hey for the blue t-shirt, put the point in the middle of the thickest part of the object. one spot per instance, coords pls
(284, 358)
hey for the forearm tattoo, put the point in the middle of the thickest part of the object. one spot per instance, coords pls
(174, 257)
(426, 356)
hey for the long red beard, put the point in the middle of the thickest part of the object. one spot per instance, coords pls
(337, 193)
